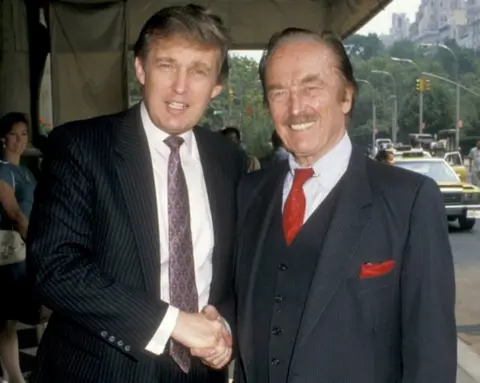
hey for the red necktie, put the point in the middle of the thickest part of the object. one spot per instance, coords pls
(294, 209)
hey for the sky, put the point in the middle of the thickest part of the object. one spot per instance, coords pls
(380, 24)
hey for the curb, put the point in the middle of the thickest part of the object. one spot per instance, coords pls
(468, 360)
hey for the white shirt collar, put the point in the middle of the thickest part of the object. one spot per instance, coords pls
(156, 135)
(332, 165)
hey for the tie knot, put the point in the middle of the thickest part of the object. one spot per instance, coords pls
(174, 142)
(302, 175)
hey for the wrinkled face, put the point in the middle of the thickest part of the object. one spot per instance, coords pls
(16, 140)
(179, 79)
(307, 98)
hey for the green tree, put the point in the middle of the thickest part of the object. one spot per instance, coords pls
(438, 112)
(364, 47)
(241, 105)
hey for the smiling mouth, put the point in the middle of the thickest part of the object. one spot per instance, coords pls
(177, 105)
(300, 127)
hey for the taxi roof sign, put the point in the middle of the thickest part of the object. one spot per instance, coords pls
(403, 148)
(414, 154)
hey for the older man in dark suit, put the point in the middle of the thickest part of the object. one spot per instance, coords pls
(344, 271)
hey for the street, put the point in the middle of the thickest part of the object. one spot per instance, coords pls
(466, 253)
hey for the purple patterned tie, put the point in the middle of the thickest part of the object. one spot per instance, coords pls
(183, 290)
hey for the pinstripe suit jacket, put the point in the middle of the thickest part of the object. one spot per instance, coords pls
(395, 328)
(94, 251)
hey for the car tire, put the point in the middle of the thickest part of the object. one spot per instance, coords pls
(466, 223)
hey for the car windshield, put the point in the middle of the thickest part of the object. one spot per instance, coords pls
(438, 170)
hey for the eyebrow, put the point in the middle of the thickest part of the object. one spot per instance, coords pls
(164, 59)
(195, 64)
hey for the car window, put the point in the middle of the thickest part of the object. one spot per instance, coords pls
(453, 159)
(437, 170)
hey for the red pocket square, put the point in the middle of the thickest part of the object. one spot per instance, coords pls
(372, 270)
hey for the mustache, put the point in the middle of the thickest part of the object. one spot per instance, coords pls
(301, 119)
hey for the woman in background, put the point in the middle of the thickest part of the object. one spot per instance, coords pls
(17, 186)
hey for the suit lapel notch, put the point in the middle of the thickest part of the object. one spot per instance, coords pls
(135, 174)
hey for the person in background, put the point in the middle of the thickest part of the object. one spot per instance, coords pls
(279, 153)
(385, 156)
(474, 164)
(17, 186)
(233, 134)
(132, 232)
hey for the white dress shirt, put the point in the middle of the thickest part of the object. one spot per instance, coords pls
(327, 172)
(200, 222)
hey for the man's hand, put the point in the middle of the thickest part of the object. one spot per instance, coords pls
(221, 355)
(194, 330)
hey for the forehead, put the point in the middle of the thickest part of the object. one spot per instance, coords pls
(295, 59)
(181, 48)
(18, 126)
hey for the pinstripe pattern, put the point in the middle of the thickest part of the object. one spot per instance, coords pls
(397, 328)
(93, 248)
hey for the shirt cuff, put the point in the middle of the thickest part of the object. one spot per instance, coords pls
(159, 341)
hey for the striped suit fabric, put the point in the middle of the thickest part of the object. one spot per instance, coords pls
(94, 252)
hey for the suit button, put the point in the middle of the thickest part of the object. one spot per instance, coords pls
(277, 331)
(275, 362)
(282, 267)
(127, 348)
(120, 343)
(112, 339)
(104, 334)
(278, 298)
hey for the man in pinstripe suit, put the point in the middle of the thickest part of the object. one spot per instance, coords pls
(344, 272)
(133, 225)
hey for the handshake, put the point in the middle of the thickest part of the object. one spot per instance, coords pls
(206, 335)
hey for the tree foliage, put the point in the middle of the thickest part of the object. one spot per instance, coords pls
(439, 111)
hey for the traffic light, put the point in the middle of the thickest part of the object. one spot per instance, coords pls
(427, 84)
(419, 84)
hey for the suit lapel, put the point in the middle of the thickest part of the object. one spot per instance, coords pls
(262, 209)
(350, 221)
(217, 184)
(135, 173)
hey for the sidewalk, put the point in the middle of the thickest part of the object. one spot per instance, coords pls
(468, 363)
(463, 377)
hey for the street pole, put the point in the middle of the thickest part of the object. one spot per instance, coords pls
(374, 109)
(394, 112)
(420, 111)
(420, 94)
(457, 122)
(374, 121)
(457, 80)
(395, 119)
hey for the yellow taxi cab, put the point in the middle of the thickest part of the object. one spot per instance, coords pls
(462, 200)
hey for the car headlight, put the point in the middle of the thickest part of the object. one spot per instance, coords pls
(472, 197)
